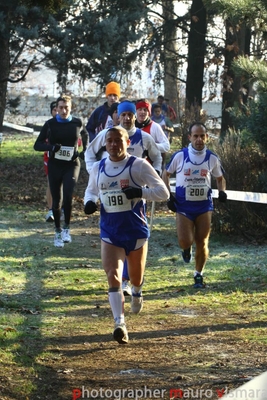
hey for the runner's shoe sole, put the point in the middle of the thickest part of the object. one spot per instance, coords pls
(120, 334)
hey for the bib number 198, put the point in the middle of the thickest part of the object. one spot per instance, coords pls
(115, 200)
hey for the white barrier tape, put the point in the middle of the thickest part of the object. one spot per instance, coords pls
(152, 214)
(18, 127)
(251, 197)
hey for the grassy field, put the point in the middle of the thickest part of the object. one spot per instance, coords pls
(55, 320)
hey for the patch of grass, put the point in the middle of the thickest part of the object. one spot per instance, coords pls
(20, 148)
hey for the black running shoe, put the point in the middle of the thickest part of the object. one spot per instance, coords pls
(187, 255)
(199, 284)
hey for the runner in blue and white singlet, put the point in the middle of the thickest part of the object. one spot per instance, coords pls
(193, 170)
(123, 220)
(123, 183)
(193, 167)
(141, 145)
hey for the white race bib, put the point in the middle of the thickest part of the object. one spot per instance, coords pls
(115, 201)
(196, 193)
(65, 153)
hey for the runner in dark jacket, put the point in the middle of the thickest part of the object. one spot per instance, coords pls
(98, 119)
(59, 136)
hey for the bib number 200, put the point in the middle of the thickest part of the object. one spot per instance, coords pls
(196, 192)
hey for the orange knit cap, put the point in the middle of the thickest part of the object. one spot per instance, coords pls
(113, 88)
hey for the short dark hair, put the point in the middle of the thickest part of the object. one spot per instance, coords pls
(196, 124)
(65, 98)
(120, 129)
(113, 108)
(52, 106)
(157, 105)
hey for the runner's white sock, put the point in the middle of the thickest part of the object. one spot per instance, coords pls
(116, 301)
(137, 289)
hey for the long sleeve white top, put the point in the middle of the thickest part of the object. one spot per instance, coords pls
(162, 142)
(153, 187)
(135, 149)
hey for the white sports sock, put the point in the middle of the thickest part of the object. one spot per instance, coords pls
(137, 289)
(197, 273)
(116, 301)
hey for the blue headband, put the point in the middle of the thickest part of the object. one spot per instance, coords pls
(126, 106)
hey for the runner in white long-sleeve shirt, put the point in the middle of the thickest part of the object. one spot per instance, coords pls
(140, 142)
(122, 182)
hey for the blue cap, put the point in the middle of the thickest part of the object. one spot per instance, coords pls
(126, 106)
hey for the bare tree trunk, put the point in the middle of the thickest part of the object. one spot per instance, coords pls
(237, 43)
(171, 91)
(196, 55)
(4, 74)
